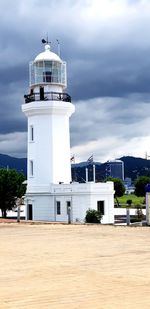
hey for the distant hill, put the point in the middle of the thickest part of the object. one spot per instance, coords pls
(10, 162)
(133, 167)
(79, 171)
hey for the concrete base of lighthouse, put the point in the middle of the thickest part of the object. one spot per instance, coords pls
(53, 204)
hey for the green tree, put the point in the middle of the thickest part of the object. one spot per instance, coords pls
(118, 187)
(140, 184)
(11, 187)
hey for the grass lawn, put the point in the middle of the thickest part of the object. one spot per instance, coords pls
(135, 200)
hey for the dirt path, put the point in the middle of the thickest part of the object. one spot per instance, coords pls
(61, 266)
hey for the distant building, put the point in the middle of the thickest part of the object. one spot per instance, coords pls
(128, 182)
(129, 187)
(115, 169)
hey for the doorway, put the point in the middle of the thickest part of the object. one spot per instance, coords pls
(101, 207)
(29, 212)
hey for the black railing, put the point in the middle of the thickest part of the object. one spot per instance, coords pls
(47, 96)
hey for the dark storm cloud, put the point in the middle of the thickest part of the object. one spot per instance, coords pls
(106, 46)
(113, 73)
(13, 74)
(108, 117)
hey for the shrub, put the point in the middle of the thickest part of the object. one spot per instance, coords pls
(93, 216)
(129, 202)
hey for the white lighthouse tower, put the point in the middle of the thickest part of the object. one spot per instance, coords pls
(50, 193)
(48, 110)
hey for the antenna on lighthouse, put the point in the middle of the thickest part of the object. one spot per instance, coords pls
(58, 47)
(46, 41)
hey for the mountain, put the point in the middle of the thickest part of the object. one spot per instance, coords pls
(79, 171)
(20, 164)
(133, 167)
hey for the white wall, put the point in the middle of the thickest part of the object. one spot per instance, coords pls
(42, 207)
(50, 150)
(81, 196)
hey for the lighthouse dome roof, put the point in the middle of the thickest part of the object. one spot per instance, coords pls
(47, 55)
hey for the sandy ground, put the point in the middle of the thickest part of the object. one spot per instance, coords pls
(61, 266)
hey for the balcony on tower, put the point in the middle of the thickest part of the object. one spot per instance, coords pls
(47, 96)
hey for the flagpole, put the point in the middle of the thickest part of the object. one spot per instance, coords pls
(86, 172)
(94, 172)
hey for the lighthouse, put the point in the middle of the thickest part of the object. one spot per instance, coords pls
(51, 195)
(48, 108)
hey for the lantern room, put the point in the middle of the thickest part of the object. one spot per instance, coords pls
(47, 77)
(48, 68)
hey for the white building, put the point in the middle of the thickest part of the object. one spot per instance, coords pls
(50, 193)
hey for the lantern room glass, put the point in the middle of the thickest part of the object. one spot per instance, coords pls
(43, 72)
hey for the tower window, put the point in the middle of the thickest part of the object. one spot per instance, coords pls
(31, 133)
(31, 167)
(47, 77)
(58, 206)
(101, 207)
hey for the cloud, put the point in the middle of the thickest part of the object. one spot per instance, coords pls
(112, 148)
(106, 45)
(112, 127)
(13, 144)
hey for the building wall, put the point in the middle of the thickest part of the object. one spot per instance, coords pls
(42, 207)
(81, 196)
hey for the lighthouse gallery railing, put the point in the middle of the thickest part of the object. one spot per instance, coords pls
(51, 96)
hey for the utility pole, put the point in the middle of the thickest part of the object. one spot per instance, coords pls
(18, 204)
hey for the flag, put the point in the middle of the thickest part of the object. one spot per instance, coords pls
(108, 169)
(90, 159)
(72, 159)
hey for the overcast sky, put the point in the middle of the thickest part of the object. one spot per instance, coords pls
(106, 44)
